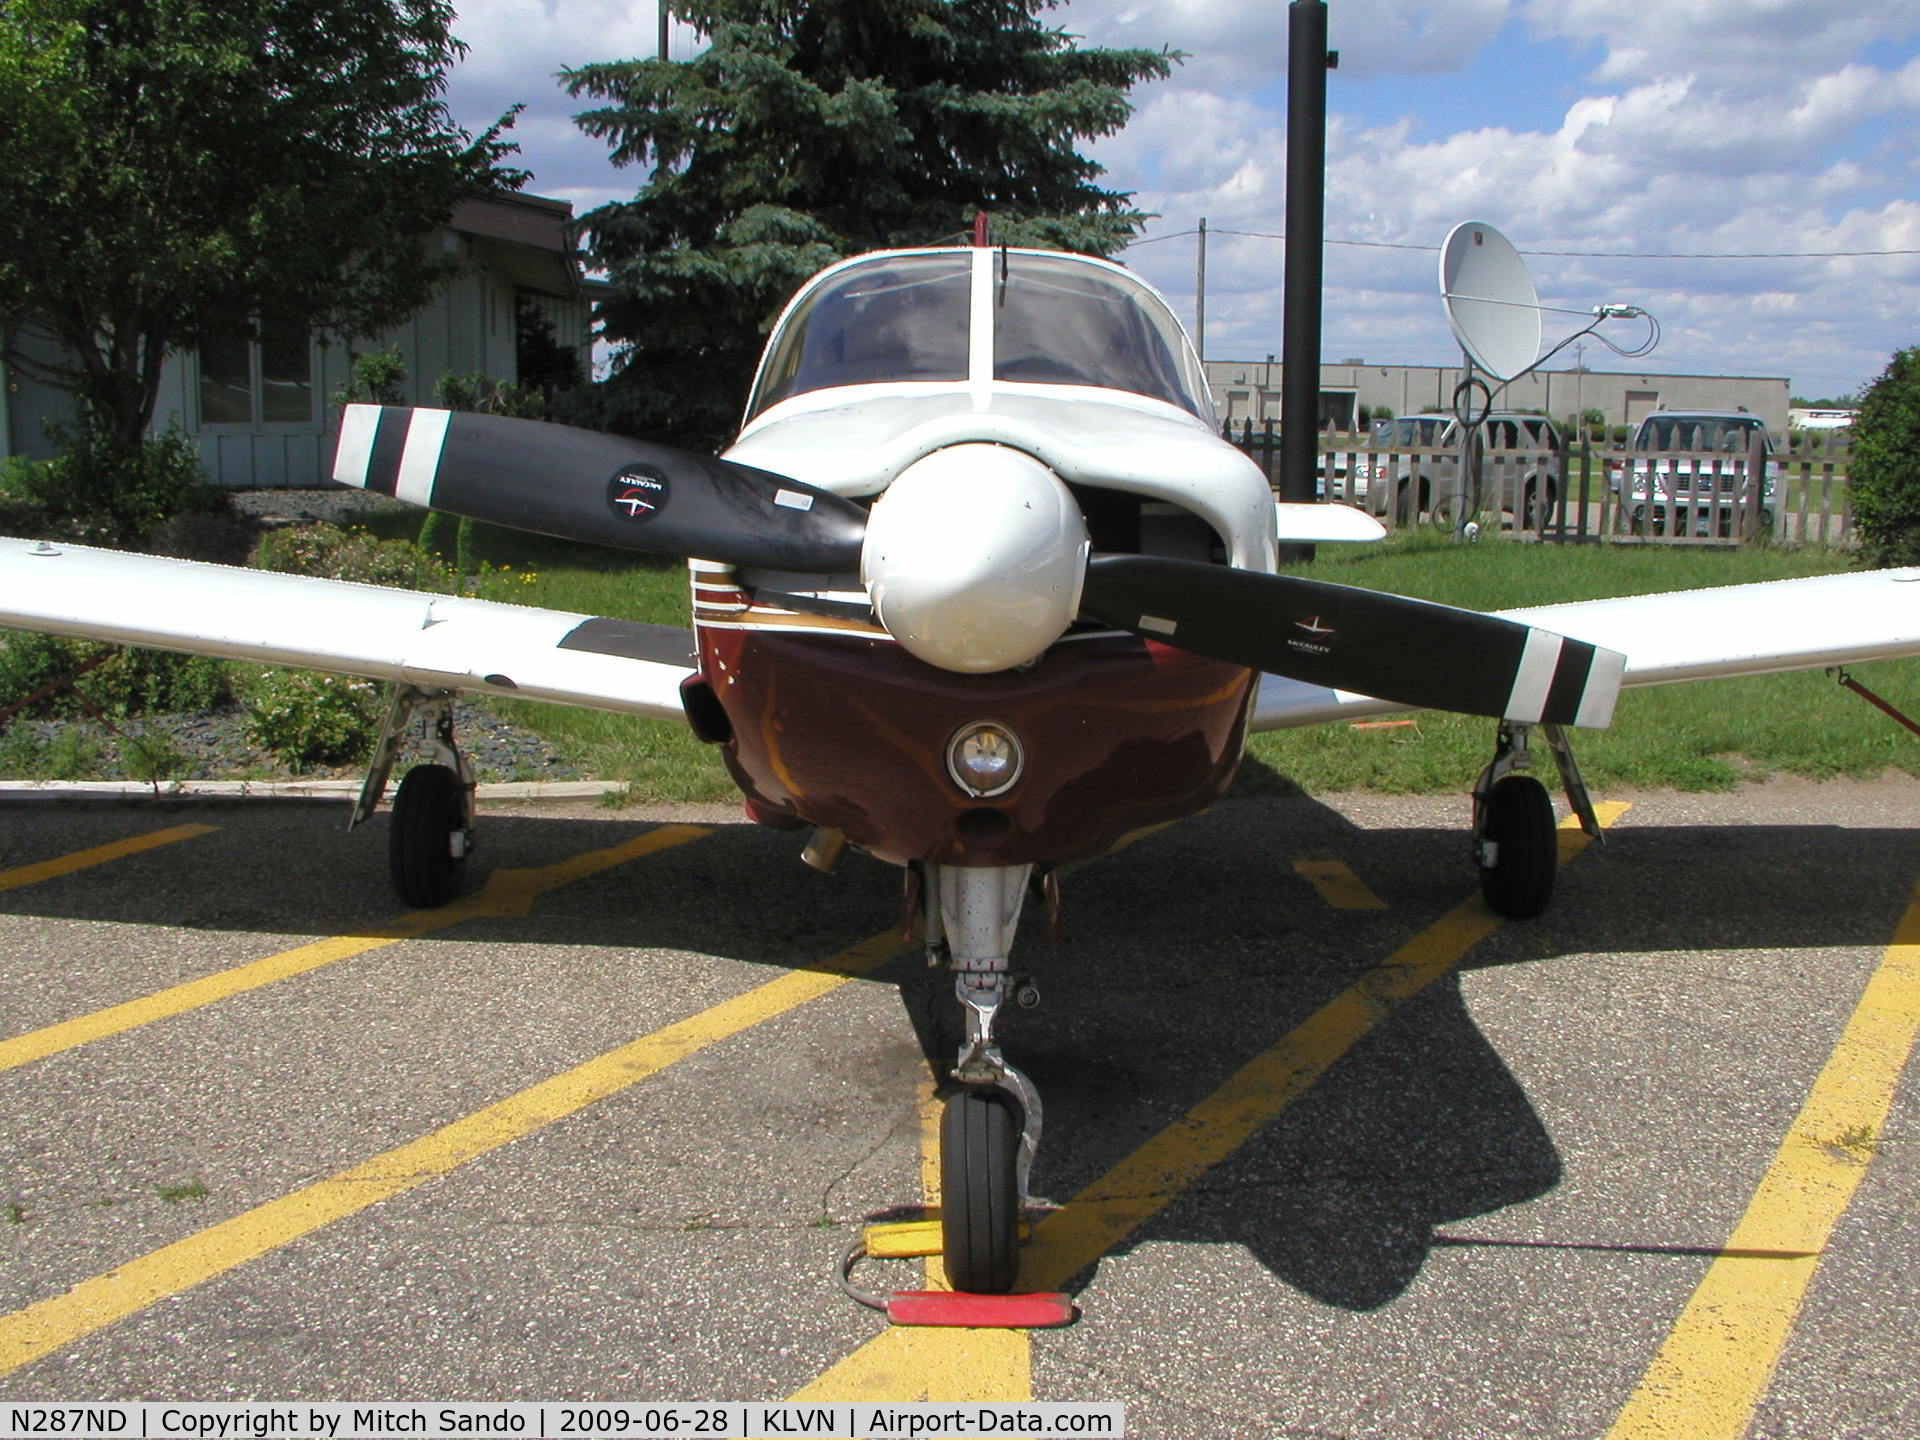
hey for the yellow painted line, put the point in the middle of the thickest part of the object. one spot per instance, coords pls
(506, 893)
(1720, 1355)
(99, 855)
(1338, 885)
(909, 1363)
(40, 1329)
(1139, 1187)
(942, 1364)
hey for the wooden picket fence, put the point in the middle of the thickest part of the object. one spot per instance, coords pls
(1590, 492)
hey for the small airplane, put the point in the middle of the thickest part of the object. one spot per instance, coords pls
(979, 590)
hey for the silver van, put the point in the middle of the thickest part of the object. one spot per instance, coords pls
(1415, 464)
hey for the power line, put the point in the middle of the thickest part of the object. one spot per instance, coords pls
(1583, 254)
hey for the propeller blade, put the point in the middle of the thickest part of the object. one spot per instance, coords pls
(600, 489)
(1412, 652)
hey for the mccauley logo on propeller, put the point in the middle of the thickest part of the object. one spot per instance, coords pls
(637, 494)
(1316, 627)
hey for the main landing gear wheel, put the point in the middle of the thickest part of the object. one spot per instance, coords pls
(426, 842)
(1518, 833)
(980, 1191)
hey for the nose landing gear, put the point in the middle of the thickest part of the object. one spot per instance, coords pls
(991, 1127)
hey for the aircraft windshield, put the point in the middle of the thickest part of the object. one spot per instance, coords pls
(1059, 321)
(901, 319)
(1056, 321)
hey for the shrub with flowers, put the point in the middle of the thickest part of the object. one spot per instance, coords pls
(304, 719)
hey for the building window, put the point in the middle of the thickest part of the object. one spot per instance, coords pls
(268, 381)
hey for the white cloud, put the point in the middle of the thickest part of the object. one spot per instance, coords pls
(1746, 40)
(1242, 44)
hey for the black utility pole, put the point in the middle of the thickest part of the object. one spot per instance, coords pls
(1308, 61)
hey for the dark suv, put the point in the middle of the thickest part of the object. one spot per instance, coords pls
(1413, 483)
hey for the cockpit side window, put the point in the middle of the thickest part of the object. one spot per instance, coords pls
(904, 318)
(1058, 321)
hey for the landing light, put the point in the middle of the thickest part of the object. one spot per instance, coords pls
(985, 759)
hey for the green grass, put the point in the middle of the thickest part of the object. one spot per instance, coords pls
(1704, 736)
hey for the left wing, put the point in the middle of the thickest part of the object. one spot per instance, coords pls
(441, 642)
(1685, 635)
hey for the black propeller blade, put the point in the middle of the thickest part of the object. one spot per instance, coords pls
(1412, 652)
(601, 489)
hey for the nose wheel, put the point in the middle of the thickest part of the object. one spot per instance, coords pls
(980, 1199)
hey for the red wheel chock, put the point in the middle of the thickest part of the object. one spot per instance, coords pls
(916, 1239)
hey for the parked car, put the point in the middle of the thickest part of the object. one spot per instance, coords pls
(1409, 483)
(1681, 464)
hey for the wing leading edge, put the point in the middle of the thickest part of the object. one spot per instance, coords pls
(1711, 634)
(436, 641)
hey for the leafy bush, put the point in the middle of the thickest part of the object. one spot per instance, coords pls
(137, 682)
(69, 752)
(151, 756)
(375, 378)
(1884, 470)
(477, 390)
(336, 554)
(101, 491)
(305, 719)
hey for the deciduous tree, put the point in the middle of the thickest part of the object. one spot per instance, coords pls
(177, 172)
(1884, 469)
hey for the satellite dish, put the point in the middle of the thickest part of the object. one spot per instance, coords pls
(1489, 299)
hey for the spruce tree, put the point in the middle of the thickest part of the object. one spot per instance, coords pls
(809, 130)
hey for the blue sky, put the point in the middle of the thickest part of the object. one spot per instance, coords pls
(1695, 126)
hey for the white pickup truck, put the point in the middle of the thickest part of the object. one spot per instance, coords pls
(1687, 467)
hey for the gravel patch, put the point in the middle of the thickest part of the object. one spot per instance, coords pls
(213, 745)
(334, 504)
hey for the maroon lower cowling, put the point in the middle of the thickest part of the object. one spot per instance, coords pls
(851, 733)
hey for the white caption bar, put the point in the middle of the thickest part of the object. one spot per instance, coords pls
(570, 1420)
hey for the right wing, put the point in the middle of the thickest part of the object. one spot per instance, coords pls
(1761, 629)
(441, 642)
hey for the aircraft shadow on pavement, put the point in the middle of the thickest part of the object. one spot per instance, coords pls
(1181, 958)
(1173, 975)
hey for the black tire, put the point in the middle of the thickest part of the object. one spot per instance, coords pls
(427, 810)
(1518, 819)
(980, 1191)
(1532, 518)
